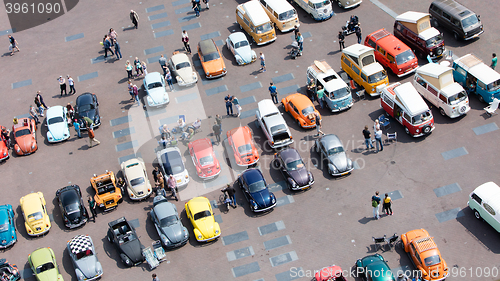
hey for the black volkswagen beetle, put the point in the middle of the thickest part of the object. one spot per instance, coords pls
(123, 235)
(71, 204)
(87, 106)
(254, 186)
(293, 169)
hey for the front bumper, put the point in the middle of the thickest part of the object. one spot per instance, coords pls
(210, 76)
(408, 71)
(349, 105)
(423, 134)
(72, 225)
(302, 187)
(208, 239)
(474, 36)
(177, 245)
(338, 174)
(209, 177)
(265, 209)
(324, 17)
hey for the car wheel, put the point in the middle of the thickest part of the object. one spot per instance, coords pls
(109, 240)
(241, 27)
(407, 131)
(436, 23)
(455, 35)
(441, 110)
(477, 215)
(481, 99)
(298, 123)
(275, 164)
(427, 130)
(340, 4)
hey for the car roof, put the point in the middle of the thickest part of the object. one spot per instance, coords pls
(453, 7)
(20, 123)
(201, 144)
(164, 209)
(411, 16)
(69, 196)
(255, 12)
(484, 73)
(31, 207)
(152, 77)
(279, 6)
(198, 204)
(54, 111)
(300, 101)
(238, 36)
(356, 50)
(372, 68)
(290, 154)
(207, 46)
(433, 69)
(428, 33)
(241, 135)
(41, 256)
(179, 57)
(252, 175)
(80, 243)
(389, 42)
(410, 98)
(330, 140)
(266, 107)
(84, 98)
(489, 192)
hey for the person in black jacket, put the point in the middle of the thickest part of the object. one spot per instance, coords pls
(231, 194)
(341, 40)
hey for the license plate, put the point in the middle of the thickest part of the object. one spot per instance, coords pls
(178, 181)
(38, 228)
(110, 202)
(344, 173)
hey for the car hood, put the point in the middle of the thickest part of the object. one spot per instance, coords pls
(262, 198)
(186, 74)
(300, 176)
(206, 226)
(58, 130)
(158, 95)
(174, 232)
(339, 160)
(25, 143)
(87, 266)
(133, 250)
(245, 53)
(89, 113)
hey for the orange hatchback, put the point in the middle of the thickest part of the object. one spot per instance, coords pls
(241, 141)
(301, 107)
(425, 255)
(25, 136)
(211, 59)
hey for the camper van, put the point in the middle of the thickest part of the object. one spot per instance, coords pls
(358, 61)
(460, 20)
(414, 29)
(337, 94)
(281, 13)
(318, 9)
(435, 83)
(253, 19)
(484, 201)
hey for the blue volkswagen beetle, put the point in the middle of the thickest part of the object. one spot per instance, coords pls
(254, 187)
(8, 234)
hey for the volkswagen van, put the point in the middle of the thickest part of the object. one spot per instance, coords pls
(318, 9)
(281, 13)
(460, 20)
(435, 83)
(337, 94)
(403, 103)
(358, 61)
(392, 53)
(484, 201)
(253, 19)
(347, 4)
(477, 77)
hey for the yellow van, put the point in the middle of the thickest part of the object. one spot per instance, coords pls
(253, 19)
(281, 13)
(358, 61)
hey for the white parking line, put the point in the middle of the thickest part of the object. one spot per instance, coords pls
(384, 8)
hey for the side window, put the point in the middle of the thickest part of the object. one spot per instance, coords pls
(263, 2)
(481, 85)
(412, 248)
(346, 61)
(446, 16)
(240, 15)
(363, 76)
(432, 90)
(276, 15)
(246, 21)
(407, 117)
(356, 69)
(380, 50)
(389, 101)
(371, 43)
(460, 70)
(421, 81)
(311, 4)
(488, 208)
(477, 198)
(443, 98)
(455, 22)
(390, 58)
(418, 257)
(398, 27)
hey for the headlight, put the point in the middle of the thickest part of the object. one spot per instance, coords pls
(260, 39)
(224, 69)
(240, 61)
(165, 239)
(294, 184)
(417, 130)
(33, 146)
(101, 205)
(178, 78)
(199, 236)
(81, 277)
(216, 231)
(207, 73)
(5, 154)
(18, 149)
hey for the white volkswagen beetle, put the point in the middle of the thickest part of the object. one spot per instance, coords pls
(57, 124)
(182, 69)
(138, 186)
(238, 44)
(154, 84)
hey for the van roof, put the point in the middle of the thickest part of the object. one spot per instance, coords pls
(356, 50)
(279, 6)
(389, 42)
(489, 190)
(433, 69)
(410, 16)
(453, 7)
(372, 68)
(428, 33)
(410, 98)
(478, 69)
(255, 12)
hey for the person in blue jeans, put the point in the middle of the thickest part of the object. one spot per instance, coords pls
(229, 104)
(378, 140)
(76, 124)
(368, 139)
(274, 92)
(231, 194)
(117, 50)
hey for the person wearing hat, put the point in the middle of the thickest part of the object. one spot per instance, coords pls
(62, 85)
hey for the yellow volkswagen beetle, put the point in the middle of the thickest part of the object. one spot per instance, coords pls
(36, 219)
(199, 211)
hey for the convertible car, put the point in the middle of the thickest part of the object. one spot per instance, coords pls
(241, 141)
(154, 84)
(36, 219)
(199, 211)
(107, 194)
(254, 187)
(10, 270)
(138, 186)
(71, 205)
(4, 150)
(44, 265)
(238, 44)
(82, 252)
(170, 161)
(123, 235)
(168, 224)
(8, 234)
(57, 124)
(182, 69)
(202, 153)
(300, 108)
(24, 136)
(293, 169)
(87, 105)
(330, 147)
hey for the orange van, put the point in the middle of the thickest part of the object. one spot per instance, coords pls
(392, 53)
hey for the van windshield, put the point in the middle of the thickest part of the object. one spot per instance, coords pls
(374, 78)
(321, 4)
(264, 28)
(287, 15)
(340, 93)
(470, 21)
(436, 40)
(455, 99)
(404, 57)
(421, 118)
(494, 86)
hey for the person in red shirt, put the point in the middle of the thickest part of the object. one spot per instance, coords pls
(172, 184)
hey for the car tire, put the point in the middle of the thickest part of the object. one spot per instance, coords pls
(441, 110)
(407, 131)
(427, 129)
(455, 35)
(340, 4)
(481, 99)
(298, 123)
(241, 27)
(477, 215)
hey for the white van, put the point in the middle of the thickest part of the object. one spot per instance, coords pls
(281, 13)
(485, 203)
(318, 9)
(435, 83)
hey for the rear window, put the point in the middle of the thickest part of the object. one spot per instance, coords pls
(182, 65)
(55, 120)
(211, 56)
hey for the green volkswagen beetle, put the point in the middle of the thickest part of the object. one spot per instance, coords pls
(44, 266)
(374, 268)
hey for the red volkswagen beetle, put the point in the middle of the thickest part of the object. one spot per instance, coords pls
(241, 141)
(331, 273)
(4, 150)
(202, 153)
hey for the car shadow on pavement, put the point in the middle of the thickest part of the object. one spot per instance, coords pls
(480, 230)
(111, 252)
(68, 265)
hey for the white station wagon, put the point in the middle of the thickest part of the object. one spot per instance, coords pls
(273, 124)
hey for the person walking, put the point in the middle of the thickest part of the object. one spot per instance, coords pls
(341, 40)
(112, 36)
(62, 85)
(71, 84)
(493, 61)
(163, 63)
(144, 68)
(273, 91)
(128, 68)
(185, 40)
(155, 173)
(236, 103)
(368, 139)
(138, 67)
(92, 207)
(375, 202)
(131, 90)
(300, 40)
(387, 205)
(70, 112)
(172, 185)
(155, 278)
(357, 29)
(262, 62)
(76, 125)
(135, 89)
(92, 138)
(206, 2)
(296, 31)
(218, 120)
(40, 103)
(217, 132)
(107, 47)
(196, 7)
(134, 17)
(320, 93)
(13, 45)
(168, 77)
(317, 121)
(118, 51)
(378, 140)
(376, 125)
(34, 115)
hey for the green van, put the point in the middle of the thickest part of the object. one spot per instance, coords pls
(485, 203)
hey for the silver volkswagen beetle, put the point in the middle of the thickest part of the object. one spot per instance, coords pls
(168, 225)
(83, 255)
(330, 147)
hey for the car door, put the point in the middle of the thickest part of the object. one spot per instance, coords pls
(414, 255)
(230, 45)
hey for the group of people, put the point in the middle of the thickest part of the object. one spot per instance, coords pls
(354, 26)
(140, 68)
(378, 137)
(386, 205)
(62, 85)
(160, 187)
(164, 66)
(110, 40)
(230, 101)
(316, 93)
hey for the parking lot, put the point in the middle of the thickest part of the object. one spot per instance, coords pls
(429, 178)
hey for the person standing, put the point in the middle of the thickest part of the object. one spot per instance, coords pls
(144, 68)
(296, 31)
(131, 89)
(368, 139)
(76, 125)
(71, 84)
(300, 40)
(378, 140)
(112, 36)
(217, 132)
(138, 67)
(163, 63)
(196, 7)
(218, 120)
(128, 68)
(229, 104)
(206, 2)
(172, 184)
(262, 62)
(236, 103)
(341, 40)
(168, 77)
(273, 91)
(92, 138)
(62, 85)
(155, 173)
(39, 103)
(320, 93)
(13, 45)
(375, 202)
(34, 115)
(231, 194)
(493, 61)
(318, 121)
(134, 17)
(88, 123)
(357, 29)
(376, 125)
(387, 205)
(92, 206)
(118, 51)
(155, 278)
(107, 47)
(185, 40)
(135, 89)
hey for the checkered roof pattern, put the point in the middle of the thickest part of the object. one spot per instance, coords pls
(80, 244)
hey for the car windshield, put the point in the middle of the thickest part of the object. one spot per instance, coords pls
(245, 149)
(22, 132)
(494, 86)
(404, 57)
(455, 99)
(44, 267)
(308, 110)
(154, 85)
(434, 40)
(287, 15)
(72, 208)
(168, 221)
(278, 128)
(182, 65)
(211, 56)
(470, 21)
(421, 118)
(241, 44)
(264, 28)
(432, 260)
(55, 120)
(374, 78)
(295, 165)
(4, 227)
(137, 181)
(207, 160)
(202, 214)
(35, 216)
(86, 107)
(83, 254)
(257, 186)
(335, 150)
(322, 4)
(340, 93)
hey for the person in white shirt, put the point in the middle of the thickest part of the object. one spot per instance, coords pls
(71, 83)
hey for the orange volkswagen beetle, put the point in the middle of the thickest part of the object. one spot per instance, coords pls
(425, 255)
(25, 136)
(300, 107)
(241, 141)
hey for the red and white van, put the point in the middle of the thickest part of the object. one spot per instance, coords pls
(404, 103)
